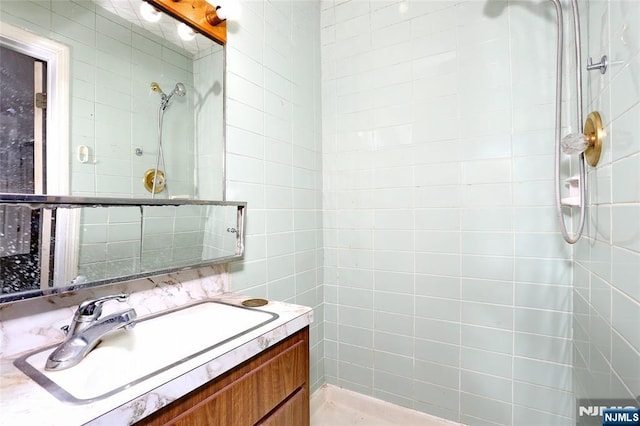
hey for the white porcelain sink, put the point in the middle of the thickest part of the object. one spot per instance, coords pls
(154, 345)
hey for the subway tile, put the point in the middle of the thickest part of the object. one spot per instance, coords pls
(548, 323)
(355, 374)
(356, 317)
(543, 398)
(437, 241)
(355, 355)
(524, 415)
(487, 267)
(437, 219)
(438, 396)
(498, 412)
(626, 180)
(393, 364)
(437, 286)
(437, 264)
(394, 323)
(625, 315)
(436, 308)
(483, 314)
(625, 361)
(394, 261)
(434, 174)
(488, 171)
(624, 134)
(601, 297)
(441, 353)
(496, 388)
(489, 339)
(493, 363)
(436, 374)
(487, 291)
(620, 82)
(356, 336)
(488, 219)
(532, 194)
(626, 226)
(355, 297)
(626, 272)
(543, 373)
(394, 343)
(487, 243)
(552, 297)
(541, 245)
(396, 303)
(397, 282)
(72, 29)
(393, 384)
(544, 348)
(479, 195)
(436, 330)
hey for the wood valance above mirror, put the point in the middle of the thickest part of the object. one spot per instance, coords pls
(197, 14)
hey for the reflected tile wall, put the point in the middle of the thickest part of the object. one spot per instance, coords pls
(112, 112)
(607, 271)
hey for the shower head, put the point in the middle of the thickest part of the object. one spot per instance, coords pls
(179, 90)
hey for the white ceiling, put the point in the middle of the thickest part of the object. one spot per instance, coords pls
(129, 10)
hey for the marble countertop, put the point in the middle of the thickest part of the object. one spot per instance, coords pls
(23, 401)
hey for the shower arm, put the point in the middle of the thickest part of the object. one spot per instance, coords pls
(583, 181)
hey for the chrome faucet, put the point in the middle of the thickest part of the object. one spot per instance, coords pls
(87, 330)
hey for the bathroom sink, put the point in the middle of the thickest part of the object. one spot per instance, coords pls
(156, 344)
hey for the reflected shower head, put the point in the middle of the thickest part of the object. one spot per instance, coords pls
(179, 90)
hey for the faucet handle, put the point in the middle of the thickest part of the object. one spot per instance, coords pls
(92, 308)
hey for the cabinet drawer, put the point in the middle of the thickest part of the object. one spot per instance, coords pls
(292, 412)
(246, 394)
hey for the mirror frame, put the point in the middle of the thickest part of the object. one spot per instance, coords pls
(40, 201)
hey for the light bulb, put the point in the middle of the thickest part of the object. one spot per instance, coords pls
(149, 13)
(226, 9)
(185, 32)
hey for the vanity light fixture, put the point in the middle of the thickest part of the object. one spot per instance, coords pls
(149, 13)
(200, 15)
(185, 32)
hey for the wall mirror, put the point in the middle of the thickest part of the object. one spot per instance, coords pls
(111, 100)
(128, 90)
(54, 244)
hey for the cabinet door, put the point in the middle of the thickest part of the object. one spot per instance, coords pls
(250, 393)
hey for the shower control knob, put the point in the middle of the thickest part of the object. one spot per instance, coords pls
(602, 65)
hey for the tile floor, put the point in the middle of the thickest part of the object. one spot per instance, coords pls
(334, 406)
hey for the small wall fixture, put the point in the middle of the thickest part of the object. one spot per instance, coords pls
(594, 133)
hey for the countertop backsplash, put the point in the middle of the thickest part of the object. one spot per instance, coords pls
(33, 323)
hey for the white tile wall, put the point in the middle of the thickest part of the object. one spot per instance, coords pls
(434, 126)
(606, 276)
(274, 155)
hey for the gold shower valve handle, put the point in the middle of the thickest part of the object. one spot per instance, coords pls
(151, 175)
(594, 132)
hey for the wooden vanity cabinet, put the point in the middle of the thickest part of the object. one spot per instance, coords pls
(270, 389)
